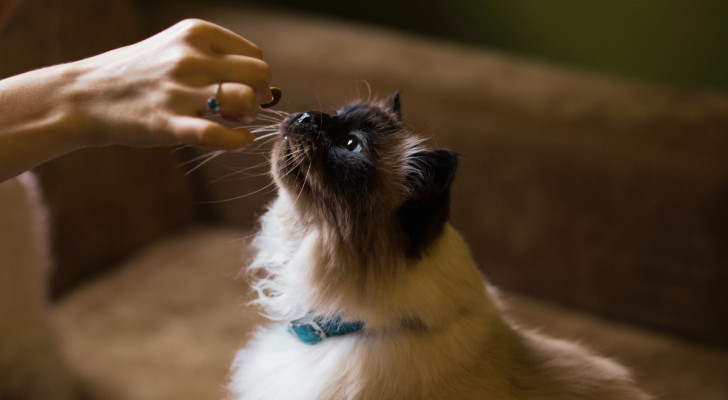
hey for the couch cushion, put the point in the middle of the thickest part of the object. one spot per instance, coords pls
(166, 325)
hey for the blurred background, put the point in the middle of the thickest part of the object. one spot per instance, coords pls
(669, 41)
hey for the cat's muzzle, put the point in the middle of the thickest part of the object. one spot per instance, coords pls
(307, 123)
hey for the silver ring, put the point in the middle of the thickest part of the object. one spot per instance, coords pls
(212, 103)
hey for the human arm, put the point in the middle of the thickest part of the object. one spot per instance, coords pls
(151, 93)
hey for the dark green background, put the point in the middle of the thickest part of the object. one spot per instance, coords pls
(680, 42)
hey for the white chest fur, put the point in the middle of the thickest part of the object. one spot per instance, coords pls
(460, 345)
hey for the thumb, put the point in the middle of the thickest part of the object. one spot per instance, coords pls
(204, 133)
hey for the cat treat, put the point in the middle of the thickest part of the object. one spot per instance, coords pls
(277, 94)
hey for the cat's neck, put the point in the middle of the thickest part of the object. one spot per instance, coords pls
(306, 272)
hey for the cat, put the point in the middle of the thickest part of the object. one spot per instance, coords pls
(373, 294)
(31, 363)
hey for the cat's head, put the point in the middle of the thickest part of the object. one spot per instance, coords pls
(362, 176)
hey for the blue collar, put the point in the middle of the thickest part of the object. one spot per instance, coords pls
(314, 329)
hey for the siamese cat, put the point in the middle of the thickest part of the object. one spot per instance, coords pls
(373, 294)
(31, 366)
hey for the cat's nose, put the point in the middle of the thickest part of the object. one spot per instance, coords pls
(317, 119)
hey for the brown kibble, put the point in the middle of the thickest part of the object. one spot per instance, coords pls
(277, 94)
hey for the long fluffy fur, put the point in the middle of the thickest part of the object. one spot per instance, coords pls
(433, 328)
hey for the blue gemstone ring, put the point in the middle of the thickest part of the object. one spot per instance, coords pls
(212, 103)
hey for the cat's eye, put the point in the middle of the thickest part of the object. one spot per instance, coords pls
(353, 144)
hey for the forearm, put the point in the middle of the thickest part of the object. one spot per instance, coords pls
(37, 120)
(151, 93)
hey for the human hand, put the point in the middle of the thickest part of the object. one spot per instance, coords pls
(154, 92)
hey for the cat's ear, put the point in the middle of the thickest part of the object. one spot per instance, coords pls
(424, 214)
(394, 105)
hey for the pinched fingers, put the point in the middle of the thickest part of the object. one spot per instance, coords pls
(246, 70)
(212, 54)
(206, 61)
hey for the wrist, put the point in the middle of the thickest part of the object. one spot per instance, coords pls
(38, 122)
(72, 103)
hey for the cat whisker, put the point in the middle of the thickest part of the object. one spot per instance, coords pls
(287, 166)
(201, 157)
(208, 158)
(180, 148)
(263, 142)
(231, 177)
(256, 127)
(244, 172)
(259, 128)
(267, 135)
(270, 118)
(255, 151)
(262, 130)
(268, 186)
(279, 113)
(303, 185)
(369, 90)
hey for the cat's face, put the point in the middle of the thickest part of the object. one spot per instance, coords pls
(360, 173)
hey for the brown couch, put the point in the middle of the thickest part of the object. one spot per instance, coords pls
(598, 204)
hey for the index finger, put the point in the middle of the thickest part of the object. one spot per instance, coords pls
(214, 38)
(225, 41)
